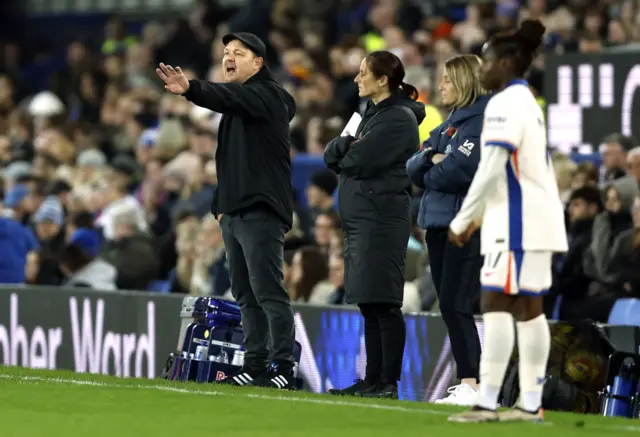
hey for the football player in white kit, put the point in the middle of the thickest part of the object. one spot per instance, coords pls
(514, 199)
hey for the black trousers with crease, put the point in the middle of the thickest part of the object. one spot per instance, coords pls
(254, 241)
(456, 276)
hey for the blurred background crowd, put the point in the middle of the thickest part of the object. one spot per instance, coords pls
(113, 177)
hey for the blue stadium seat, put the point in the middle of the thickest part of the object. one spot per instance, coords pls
(625, 312)
(160, 286)
(303, 166)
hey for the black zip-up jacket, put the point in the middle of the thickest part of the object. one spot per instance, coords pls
(252, 158)
(373, 198)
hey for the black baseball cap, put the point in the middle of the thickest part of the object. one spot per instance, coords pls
(254, 43)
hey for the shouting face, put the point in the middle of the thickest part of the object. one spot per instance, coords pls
(239, 63)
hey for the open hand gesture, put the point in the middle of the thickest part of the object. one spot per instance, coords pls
(174, 79)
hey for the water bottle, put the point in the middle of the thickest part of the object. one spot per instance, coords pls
(238, 358)
(201, 352)
(621, 392)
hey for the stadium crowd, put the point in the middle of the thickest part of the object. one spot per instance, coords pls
(115, 177)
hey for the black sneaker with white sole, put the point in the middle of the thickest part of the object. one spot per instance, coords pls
(246, 376)
(276, 377)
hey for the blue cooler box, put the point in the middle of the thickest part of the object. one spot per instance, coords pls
(210, 342)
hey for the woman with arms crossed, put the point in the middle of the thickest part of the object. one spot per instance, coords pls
(376, 215)
(445, 168)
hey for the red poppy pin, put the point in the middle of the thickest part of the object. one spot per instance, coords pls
(452, 131)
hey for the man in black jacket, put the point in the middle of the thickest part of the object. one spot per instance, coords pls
(253, 201)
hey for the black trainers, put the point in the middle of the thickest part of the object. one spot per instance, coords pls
(245, 376)
(357, 386)
(381, 390)
(276, 377)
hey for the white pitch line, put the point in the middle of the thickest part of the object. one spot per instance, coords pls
(218, 393)
(81, 382)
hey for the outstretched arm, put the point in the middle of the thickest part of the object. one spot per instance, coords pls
(249, 100)
(256, 99)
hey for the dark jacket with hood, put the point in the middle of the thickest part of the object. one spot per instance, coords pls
(572, 281)
(135, 259)
(373, 198)
(252, 157)
(446, 184)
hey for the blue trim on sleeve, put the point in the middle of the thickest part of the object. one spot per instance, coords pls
(504, 144)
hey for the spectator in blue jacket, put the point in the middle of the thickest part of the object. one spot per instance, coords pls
(444, 168)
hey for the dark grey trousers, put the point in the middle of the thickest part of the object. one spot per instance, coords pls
(254, 241)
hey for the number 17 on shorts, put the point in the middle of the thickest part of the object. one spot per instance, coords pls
(525, 273)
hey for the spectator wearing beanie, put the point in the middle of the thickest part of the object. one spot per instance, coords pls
(48, 223)
(80, 263)
(49, 219)
(88, 163)
(17, 203)
(320, 191)
(145, 146)
(15, 171)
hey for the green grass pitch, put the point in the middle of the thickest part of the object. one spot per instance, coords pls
(40, 403)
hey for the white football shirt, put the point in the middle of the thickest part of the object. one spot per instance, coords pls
(514, 194)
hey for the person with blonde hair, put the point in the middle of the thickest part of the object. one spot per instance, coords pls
(444, 167)
(210, 270)
(564, 169)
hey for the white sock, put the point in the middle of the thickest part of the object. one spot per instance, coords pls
(534, 342)
(499, 337)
